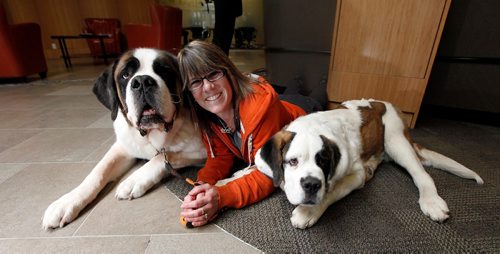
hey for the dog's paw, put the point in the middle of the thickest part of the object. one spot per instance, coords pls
(305, 216)
(434, 207)
(131, 188)
(61, 212)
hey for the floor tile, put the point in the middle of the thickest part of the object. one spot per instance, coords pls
(155, 213)
(8, 170)
(57, 145)
(103, 122)
(84, 89)
(73, 102)
(96, 155)
(116, 244)
(25, 196)
(66, 118)
(27, 101)
(53, 118)
(8, 92)
(248, 60)
(199, 243)
(10, 138)
(15, 119)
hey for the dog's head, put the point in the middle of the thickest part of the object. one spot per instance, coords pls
(145, 85)
(302, 163)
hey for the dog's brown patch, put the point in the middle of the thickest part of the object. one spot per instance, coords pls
(372, 136)
(337, 106)
(123, 60)
(281, 141)
(273, 150)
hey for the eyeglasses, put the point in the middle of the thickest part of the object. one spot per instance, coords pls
(211, 77)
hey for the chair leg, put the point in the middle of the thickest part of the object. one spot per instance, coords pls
(43, 74)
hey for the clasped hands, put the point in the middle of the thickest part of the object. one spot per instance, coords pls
(200, 205)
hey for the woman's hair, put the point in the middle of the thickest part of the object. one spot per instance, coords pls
(199, 58)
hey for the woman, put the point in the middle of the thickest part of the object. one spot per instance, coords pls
(237, 114)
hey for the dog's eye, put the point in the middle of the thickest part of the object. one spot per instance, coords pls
(125, 75)
(293, 162)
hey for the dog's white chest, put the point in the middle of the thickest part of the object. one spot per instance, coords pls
(135, 144)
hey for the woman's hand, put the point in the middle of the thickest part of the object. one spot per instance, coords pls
(200, 205)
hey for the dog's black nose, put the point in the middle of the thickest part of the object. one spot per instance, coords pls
(310, 184)
(143, 82)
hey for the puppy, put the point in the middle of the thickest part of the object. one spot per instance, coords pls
(143, 91)
(321, 157)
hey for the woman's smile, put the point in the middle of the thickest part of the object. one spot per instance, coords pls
(214, 97)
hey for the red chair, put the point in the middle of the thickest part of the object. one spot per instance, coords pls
(111, 26)
(164, 33)
(21, 49)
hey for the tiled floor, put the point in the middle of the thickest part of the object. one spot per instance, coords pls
(52, 133)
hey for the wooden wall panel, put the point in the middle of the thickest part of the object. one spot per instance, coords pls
(98, 8)
(21, 11)
(61, 17)
(65, 17)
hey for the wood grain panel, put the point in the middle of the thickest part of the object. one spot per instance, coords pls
(389, 37)
(65, 17)
(98, 8)
(61, 17)
(21, 11)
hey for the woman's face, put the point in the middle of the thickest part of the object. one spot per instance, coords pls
(213, 92)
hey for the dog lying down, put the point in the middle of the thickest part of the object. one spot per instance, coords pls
(143, 91)
(321, 157)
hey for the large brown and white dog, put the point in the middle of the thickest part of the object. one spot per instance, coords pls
(143, 91)
(321, 157)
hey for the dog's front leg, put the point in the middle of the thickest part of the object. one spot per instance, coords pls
(65, 209)
(304, 216)
(142, 179)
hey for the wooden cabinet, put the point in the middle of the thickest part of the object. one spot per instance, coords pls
(384, 49)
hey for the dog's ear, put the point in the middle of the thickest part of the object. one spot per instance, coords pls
(328, 158)
(272, 153)
(105, 90)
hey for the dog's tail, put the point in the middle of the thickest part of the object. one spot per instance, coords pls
(437, 160)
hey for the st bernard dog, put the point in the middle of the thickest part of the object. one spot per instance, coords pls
(143, 91)
(322, 157)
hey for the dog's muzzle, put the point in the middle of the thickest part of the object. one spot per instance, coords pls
(143, 82)
(145, 89)
(311, 186)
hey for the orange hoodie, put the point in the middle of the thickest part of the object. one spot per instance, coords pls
(262, 114)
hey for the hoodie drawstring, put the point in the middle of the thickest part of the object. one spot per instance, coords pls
(249, 148)
(212, 155)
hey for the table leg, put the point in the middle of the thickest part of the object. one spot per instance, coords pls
(63, 52)
(66, 53)
(103, 49)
